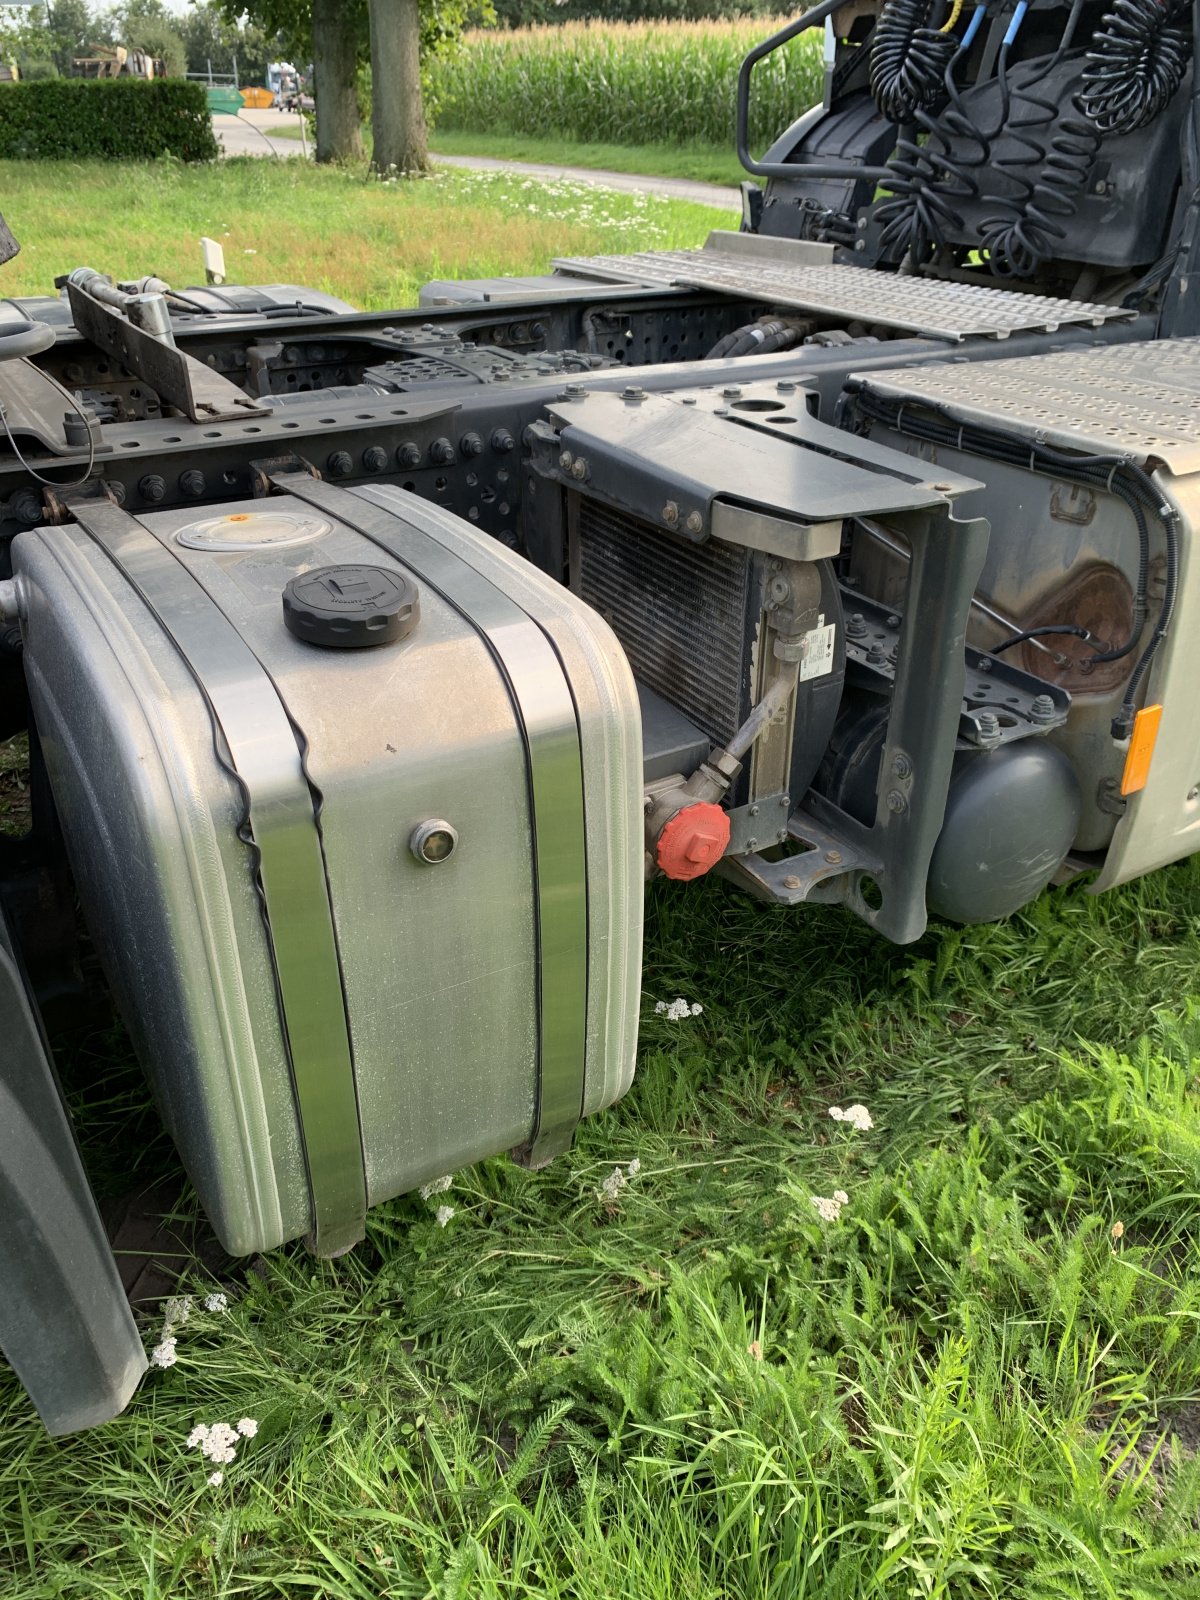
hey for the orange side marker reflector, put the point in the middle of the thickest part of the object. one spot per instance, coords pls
(1141, 748)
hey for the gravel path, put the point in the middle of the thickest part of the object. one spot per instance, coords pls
(250, 135)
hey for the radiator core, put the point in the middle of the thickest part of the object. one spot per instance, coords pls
(680, 610)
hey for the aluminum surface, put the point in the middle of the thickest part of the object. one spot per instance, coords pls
(543, 703)
(439, 963)
(263, 750)
(854, 294)
(1140, 400)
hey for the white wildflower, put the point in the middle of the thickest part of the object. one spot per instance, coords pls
(677, 1010)
(197, 1436)
(442, 1215)
(249, 252)
(611, 1188)
(247, 1427)
(438, 1186)
(216, 1479)
(635, 1166)
(163, 1354)
(215, 1302)
(178, 1310)
(829, 1209)
(216, 1441)
(858, 1117)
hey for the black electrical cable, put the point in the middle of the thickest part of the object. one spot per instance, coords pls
(1044, 633)
(931, 179)
(1117, 474)
(1029, 226)
(52, 483)
(908, 60)
(1137, 62)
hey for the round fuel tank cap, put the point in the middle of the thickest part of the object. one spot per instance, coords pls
(351, 607)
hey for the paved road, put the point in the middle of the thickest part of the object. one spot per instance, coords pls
(701, 194)
(250, 135)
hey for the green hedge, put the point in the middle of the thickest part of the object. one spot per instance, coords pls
(123, 119)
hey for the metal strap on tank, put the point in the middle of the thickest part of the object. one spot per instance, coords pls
(253, 722)
(545, 711)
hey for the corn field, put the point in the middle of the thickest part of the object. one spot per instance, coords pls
(626, 83)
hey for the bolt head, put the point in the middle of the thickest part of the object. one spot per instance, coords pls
(791, 881)
(695, 522)
(670, 513)
(833, 857)
(896, 803)
(579, 469)
(754, 810)
(565, 460)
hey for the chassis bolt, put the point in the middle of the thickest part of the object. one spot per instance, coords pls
(152, 487)
(441, 451)
(340, 464)
(791, 881)
(901, 766)
(565, 460)
(1042, 709)
(896, 803)
(633, 394)
(670, 513)
(502, 441)
(833, 857)
(732, 393)
(988, 725)
(471, 445)
(580, 469)
(695, 522)
(856, 627)
(375, 458)
(754, 810)
(408, 455)
(751, 845)
(785, 386)
(192, 483)
(785, 800)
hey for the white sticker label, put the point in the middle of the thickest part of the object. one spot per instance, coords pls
(817, 660)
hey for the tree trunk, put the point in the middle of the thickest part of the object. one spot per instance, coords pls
(397, 113)
(335, 63)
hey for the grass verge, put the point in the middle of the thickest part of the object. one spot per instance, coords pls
(658, 1370)
(701, 163)
(279, 221)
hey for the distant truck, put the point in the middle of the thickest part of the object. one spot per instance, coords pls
(286, 84)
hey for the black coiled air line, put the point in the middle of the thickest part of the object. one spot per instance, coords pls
(1136, 63)
(909, 58)
(930, 180)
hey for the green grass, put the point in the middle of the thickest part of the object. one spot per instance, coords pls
(280, 221)
(625, 83)
(965, 1386)
(702, 163)
(982, 1380)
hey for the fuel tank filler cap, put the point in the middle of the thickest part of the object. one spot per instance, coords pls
(351, 607)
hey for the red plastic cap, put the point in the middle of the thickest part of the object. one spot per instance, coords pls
(693, 841)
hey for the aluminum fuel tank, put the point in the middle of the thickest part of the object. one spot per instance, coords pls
(371, 910)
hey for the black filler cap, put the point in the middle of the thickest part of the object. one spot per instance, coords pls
(349, 608)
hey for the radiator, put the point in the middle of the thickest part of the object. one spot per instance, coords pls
(680, 610)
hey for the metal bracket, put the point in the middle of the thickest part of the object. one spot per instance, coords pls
(763, 822)
(178, 379)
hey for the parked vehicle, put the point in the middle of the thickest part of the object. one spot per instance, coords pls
(372, 661)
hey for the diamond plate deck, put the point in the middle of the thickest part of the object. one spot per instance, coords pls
(912, 305)
(1139, 400)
